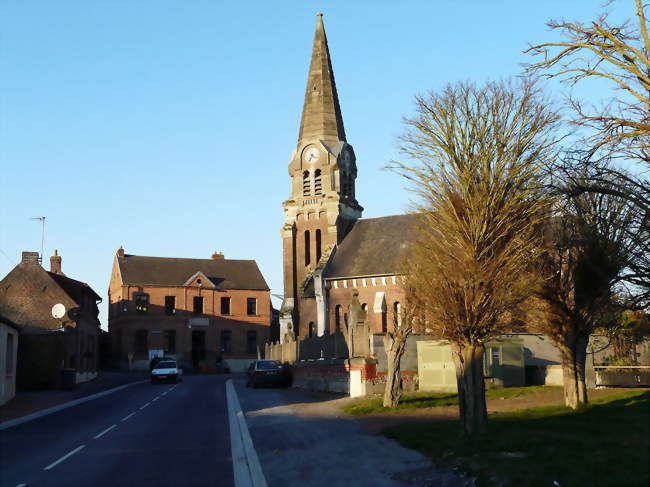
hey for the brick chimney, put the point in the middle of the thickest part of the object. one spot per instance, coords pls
(218, 256)
(55, 263)
(30, 258)
(120, 251)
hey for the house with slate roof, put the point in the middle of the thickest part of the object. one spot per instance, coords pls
(328, 249)
(48, 345)
(206, 313)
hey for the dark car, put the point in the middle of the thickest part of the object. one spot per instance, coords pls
(266, 373)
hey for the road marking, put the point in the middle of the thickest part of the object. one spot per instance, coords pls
(127, 417)
(44, 412)
(21, 485)
(155, 398)
(104, 432)
(64, 457)
(246, 466)
(142, 407)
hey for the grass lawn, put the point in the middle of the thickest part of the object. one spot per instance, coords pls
(606, 444)
(435, 399)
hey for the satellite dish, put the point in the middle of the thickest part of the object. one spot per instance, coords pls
(58, 311)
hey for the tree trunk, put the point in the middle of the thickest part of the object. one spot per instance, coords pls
(570, 378)
(471, 388)
(581, 366)
(574, 358)
(395, 346)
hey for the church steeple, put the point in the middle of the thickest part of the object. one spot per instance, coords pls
(322, 207)
(321, 113)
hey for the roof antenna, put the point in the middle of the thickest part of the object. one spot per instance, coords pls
(42, 220)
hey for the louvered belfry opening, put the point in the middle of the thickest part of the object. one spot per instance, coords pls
(318, 185)
(306, 186)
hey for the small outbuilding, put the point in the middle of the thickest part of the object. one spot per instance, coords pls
(503, 365)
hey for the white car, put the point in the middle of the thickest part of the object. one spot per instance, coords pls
(166, 370)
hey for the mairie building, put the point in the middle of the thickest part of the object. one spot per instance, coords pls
(209, 314)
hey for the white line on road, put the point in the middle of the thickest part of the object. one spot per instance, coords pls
(67, 455)
(155, 398)
(104, 432)
(142, 407)
(246, 466)
(44, 412)
(127, 417)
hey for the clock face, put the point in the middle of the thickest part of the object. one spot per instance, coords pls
(312, 155)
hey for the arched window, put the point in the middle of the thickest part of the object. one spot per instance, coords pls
(384, 320)
(337, 318)
(318, 185)
(307, 248)
(397, 312)
(306, 184)
(312, 329)
(318, 244)
(364, 306)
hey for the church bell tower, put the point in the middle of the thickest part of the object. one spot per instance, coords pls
(322, 207)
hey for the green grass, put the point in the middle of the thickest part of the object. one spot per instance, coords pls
(605, 444)
(434, 399)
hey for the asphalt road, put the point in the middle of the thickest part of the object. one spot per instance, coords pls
(145, 435)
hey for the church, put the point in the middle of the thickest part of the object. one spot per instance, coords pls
(329, 250)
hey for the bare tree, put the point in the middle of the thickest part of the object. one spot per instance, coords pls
(404, 322)
(586, 257)
(476, 167)
(617, 54)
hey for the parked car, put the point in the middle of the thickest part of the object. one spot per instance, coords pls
(266, 373)
(166, 371)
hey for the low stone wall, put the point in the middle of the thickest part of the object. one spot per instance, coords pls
(354, 377)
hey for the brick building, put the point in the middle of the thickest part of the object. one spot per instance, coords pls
(199, 311)
(48, 345)
(328, 249)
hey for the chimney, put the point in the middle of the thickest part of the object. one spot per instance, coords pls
(30, 258)
(55, 263)
(120, 251)
(218, 256)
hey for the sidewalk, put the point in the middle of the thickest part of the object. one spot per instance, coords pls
(27, 402)
(303, 439)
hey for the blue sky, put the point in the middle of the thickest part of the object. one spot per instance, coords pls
(166, 126)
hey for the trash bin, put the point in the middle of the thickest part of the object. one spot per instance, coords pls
(69, 379)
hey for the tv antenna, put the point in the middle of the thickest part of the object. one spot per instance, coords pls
(42, 220)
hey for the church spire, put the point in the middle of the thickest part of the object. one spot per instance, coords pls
(321, 113)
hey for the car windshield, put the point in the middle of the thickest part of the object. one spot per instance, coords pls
(268, 364)
(166, 365)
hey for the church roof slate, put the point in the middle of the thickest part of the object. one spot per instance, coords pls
(139, 270)
(374, 247)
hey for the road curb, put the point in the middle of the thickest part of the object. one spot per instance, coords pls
(44, 412)
(245, 464)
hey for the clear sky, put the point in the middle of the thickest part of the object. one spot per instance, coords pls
(166, 126)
